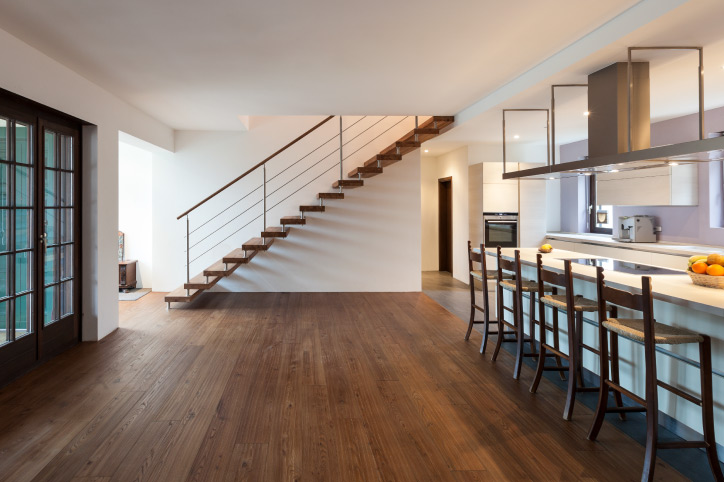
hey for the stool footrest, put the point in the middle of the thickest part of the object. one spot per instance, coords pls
(555, 352)
(591, 349)
(625, 409)
(629, 394)
(478, 307)
(587, 389)
(683, 444)
(679, 392)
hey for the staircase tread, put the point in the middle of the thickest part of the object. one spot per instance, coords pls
(275, 232)
(293, 220)
(237, 256)
(179, 295)
(330, 195)
(314, 208)
(258, 244)
(348, 183)
(200, 282)
(218, 269)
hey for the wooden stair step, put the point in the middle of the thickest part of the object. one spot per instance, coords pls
(330, 195)
(179, 296)
(275, 232)
(427, 130)
(348, 183)
(401, 147)
(384, 159)
(221, 269)
(365, 171)
(312, 209)
(292, 220)
(258, 244)
(201, 282)
(238, 257)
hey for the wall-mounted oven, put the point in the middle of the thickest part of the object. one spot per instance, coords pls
(501, 229)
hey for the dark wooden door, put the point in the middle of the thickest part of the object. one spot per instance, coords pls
(444, 194)
(39, 236)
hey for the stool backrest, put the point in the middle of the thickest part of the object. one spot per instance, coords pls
(505, 264)
(561, 280)
(640, 302)
(474, 257)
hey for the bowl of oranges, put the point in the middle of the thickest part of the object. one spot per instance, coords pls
(707, 270)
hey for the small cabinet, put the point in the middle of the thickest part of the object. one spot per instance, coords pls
(126, 274)
(658, 186)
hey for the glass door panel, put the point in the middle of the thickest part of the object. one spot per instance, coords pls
(58, 234)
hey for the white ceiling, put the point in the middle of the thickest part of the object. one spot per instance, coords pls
(200, 65)
(673, 81)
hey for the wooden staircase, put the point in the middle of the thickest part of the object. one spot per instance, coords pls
(429, 129)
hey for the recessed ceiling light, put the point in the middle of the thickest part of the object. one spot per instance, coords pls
(516, 136)
(613, 170)
(551, 178)
(427, 150)
(673, 164)
(587, 173)
(587, 113)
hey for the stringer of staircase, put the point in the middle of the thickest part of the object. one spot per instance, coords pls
(429, 129)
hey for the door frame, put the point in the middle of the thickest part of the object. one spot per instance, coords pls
(29, 352)
(448, 204)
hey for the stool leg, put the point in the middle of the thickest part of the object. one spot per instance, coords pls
(615, 374)
(531, 321)
(652, 410)
(542, 354)
(556, 340)
(603, 389)
(579, 348)
(486, 317)
(573, 363)
(518, 316)
(707, 410)
(472, 308)
(501, 325)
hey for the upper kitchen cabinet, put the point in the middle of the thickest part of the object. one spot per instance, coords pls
(676, 185)
(499, 196)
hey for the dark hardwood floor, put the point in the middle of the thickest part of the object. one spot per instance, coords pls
(296, 386)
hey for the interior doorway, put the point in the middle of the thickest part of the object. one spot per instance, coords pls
(445, 241)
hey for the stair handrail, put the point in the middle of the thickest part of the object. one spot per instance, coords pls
(252, 169)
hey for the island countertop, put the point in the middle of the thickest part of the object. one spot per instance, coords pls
(670, 288)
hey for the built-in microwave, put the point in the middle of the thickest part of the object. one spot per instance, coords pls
(501, 229)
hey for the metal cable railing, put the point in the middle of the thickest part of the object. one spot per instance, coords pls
(266, 195)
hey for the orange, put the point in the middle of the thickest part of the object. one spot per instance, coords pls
(699, 267)
(715, 270)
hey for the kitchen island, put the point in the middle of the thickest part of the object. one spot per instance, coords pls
(677, 301)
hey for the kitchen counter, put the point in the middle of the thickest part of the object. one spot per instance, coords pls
(675, 289)
(671, 249)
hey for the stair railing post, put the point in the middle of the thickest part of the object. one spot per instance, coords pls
(264, 171)
(341, 155)
(188, 279)
(417, 139)
(341, 176)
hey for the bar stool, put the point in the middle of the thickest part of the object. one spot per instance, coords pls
(574, 306)
(651, 333)
(517, 286)
(480, 258)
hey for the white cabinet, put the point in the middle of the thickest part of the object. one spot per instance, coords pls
(658, 186)
(499, 196)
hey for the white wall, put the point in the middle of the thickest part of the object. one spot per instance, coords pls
(370, 241)
(453, 164)
(30, 73)
(135, 204)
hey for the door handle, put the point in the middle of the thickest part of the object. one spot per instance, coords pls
(44, 242)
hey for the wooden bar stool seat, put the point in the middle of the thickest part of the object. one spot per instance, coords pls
(651, 333)
(490, 274)
(525, 285)
(633, 329)
(579, 303)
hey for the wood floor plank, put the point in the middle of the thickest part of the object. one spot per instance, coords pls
(297, 386)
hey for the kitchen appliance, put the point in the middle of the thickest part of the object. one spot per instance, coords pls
(501, 229)
(636, 229)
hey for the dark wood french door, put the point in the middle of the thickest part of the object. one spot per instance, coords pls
(39, 237)
(445, 242)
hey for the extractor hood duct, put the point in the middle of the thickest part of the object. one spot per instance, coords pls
(610, 147)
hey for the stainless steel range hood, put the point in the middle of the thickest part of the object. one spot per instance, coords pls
(619, 127)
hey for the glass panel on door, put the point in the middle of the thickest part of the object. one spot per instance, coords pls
(58, 237)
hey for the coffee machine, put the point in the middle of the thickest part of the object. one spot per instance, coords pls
(636, 229)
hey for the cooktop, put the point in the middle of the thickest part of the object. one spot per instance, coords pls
(625, 266)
